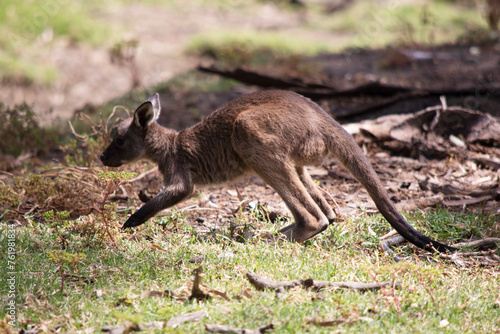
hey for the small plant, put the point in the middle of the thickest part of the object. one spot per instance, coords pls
(112, 181)
(8, 197)
(64, 259)
(174, 218)
(55, 220)
(82, 153)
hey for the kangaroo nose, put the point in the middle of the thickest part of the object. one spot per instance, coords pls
(103, 157)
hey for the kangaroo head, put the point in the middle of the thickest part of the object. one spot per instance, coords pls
(128, 143)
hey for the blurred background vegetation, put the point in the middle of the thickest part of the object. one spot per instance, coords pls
(28, 25)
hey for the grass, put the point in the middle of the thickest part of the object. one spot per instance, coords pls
(378, 25)
(108, 281)
(251, 47)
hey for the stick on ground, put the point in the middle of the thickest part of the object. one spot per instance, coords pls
(261, 283)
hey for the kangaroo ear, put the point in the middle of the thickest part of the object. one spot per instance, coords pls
(148, 112)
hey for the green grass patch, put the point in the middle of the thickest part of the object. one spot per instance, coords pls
(379, 25)
(104, 283)
(251, 47)
(28, 20)
(22, 69)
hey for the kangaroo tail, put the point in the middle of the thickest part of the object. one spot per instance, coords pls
(343, 146)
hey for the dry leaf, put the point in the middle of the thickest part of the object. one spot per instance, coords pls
(154, 293)
(157, 247)
(123, 301)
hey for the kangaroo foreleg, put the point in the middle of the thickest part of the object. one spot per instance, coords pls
(165, 199)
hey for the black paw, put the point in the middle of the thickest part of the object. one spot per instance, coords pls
(131, 222)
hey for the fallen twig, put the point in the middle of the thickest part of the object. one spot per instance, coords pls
(330, 323)
(487, 242)
(225, 329)
(261, 283)
(387, 244)
(117, 197)
(174, 322)
(336, 208)
(200, 291)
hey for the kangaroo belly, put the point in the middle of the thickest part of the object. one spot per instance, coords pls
(217, 166)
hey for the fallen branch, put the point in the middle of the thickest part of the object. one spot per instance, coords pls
(134, 327)
(225, 329)
(391, 94)
(261, 283)
(468, 259)
(387, 244)
(262, 80)
(487, 242)
(321, 91)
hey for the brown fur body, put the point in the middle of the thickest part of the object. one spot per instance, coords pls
(272, 133)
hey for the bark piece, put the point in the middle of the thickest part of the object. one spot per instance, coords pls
(261, 283)
(197, 291)
(133, 327)
(202, 292)
(193, 316)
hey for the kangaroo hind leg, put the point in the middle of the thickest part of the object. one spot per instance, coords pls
(309, 217)
(315, 193)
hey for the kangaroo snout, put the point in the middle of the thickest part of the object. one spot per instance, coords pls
(107, 161)
(104, 159)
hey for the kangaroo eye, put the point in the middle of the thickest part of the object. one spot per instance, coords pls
(119, 141)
